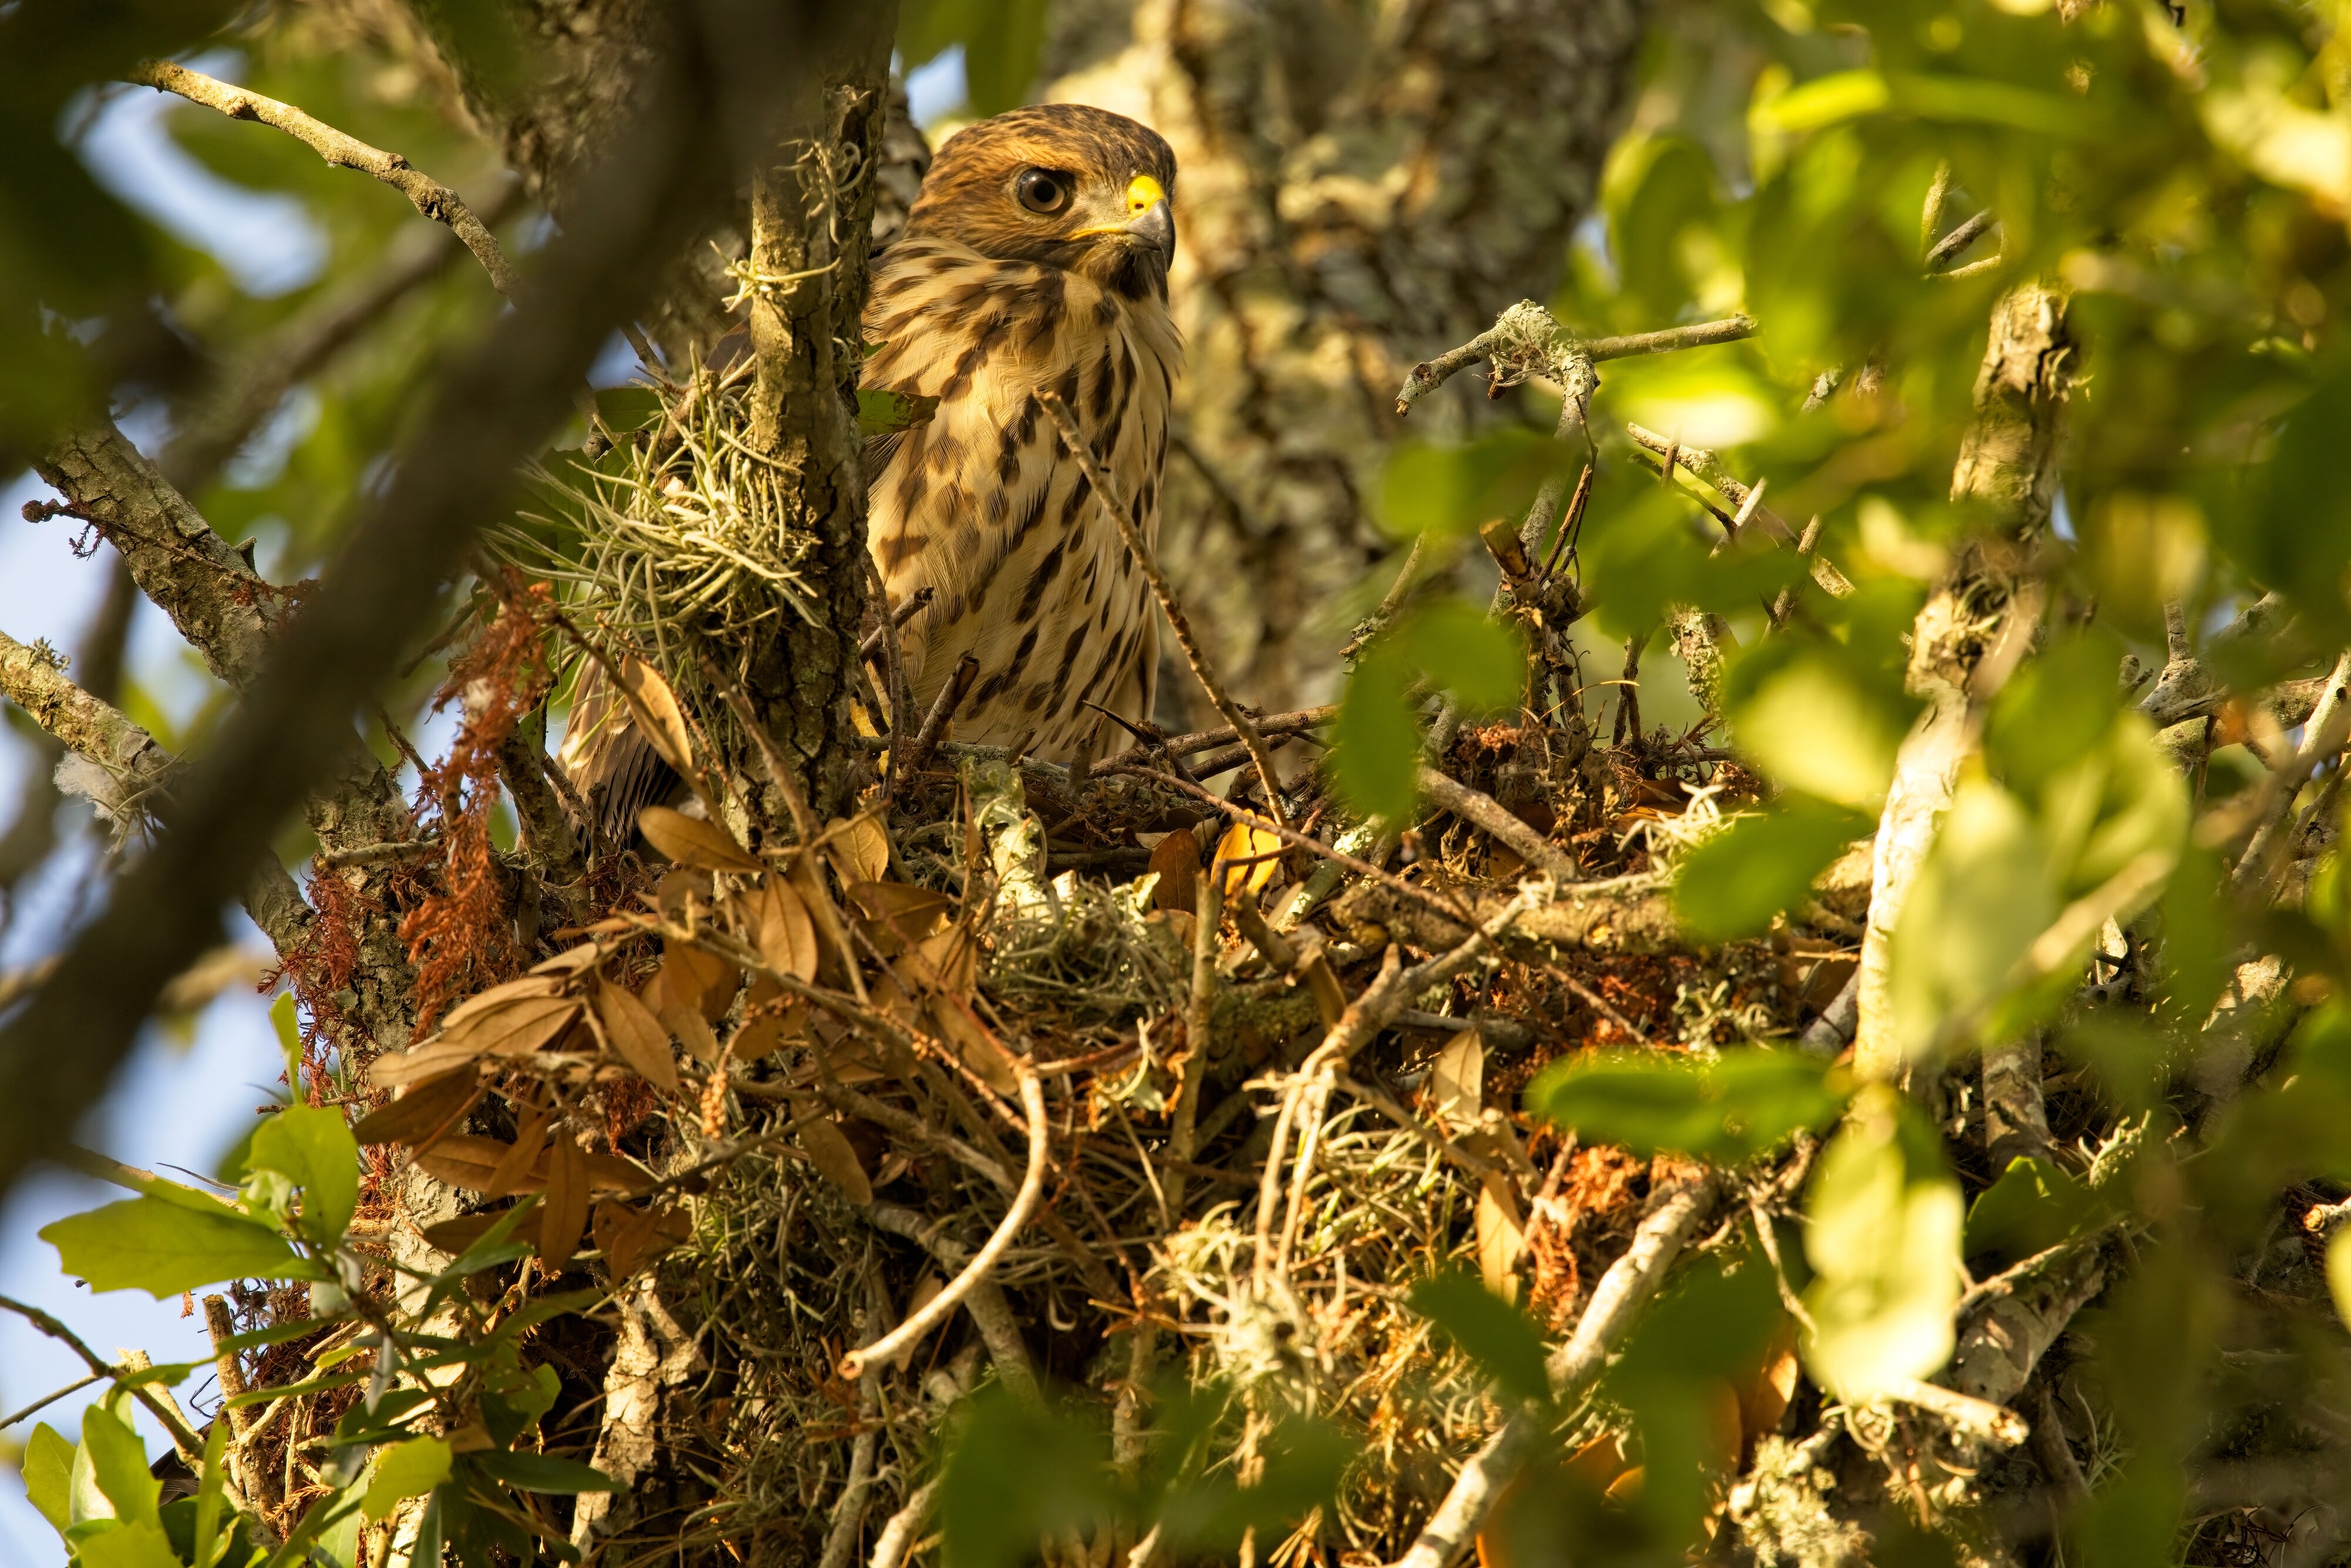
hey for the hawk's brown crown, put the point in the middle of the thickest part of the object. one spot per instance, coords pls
(1058, 184)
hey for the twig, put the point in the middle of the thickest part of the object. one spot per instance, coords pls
(934, 723)
(1201, 740)
(1628, 1285)
(45, 1400)
(1106, 491)
(1033, 1102)
(904, 1527)
(191, 1447)
(1481, 809)
(915, 602)
(1427, 376)
(894, 661)
(1977, 1419)
(430, 197)
(2328, 727)
(1960, 238)
(1386, 879)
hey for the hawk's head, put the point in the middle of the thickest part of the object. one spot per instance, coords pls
(1059, 183)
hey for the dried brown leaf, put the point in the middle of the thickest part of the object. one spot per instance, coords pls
(515, 1028)
(1456, 1080)
(571, 961)
(1501, 1234)
(406, 1067)
(692, 978)
(655, 709)
(861, 851)
(691, 840)
(474, 1007)
(471, 1161)
(426, 1111)
(693, 1031)
(637, 1035)
(522, 1156)
(828, 1149)
(767, 1033)
(1176, 859)
(564, 1218)
(782, 928)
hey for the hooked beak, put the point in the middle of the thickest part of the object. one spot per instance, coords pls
(1150, 220)
(1157, 228)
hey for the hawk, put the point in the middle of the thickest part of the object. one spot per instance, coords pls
(1035, 259)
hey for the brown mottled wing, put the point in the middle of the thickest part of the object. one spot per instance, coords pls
(614, 767)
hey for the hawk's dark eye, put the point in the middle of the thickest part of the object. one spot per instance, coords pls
(1042, 189)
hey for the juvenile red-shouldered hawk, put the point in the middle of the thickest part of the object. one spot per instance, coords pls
(1035, 259)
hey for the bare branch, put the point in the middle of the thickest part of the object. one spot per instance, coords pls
(140, 768)
(427, 195)
(1475, 807)
(457, 471)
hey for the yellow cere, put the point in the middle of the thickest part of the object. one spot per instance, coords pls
(1143, 194)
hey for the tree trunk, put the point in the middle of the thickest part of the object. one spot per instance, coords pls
(1358, 189)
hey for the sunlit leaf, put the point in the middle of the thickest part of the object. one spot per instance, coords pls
(312, 1146)
(1376, 743)
(48, 1469)
(1728, 1108)
(1884, 1241)
(1491, 1332)
(1467, 653)
(1734, 884)
(404, 1471)
(1451, 489)
(118, 1462)
(163, 1249)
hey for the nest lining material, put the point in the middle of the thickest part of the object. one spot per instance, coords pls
(680, 533)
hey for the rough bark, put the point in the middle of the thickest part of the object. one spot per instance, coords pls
(1358, 190)
(2008, 462)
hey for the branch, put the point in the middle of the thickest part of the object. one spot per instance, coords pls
(1481, 809)
(191, 1447)
(1618, 1298)
(1196, 656)
(1522, 329)
(140, 768)
(241, 394)
(434, 200)
(457, 470)
(1704, 465)
(1032, 1184)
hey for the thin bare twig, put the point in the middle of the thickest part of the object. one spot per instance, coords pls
(1032, 1184)
(428, 195)
(934, 723)
(1430, 374)
(1106, 491)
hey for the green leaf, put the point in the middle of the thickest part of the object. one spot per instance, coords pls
(1986, 891)
(1015, 1473)
(118, 1463)
(628, 409)
(2297, 539)
(1491, 1332)
(142, 1545)
(1376, 743)
(289, 1027)
(2033, 1205)
(1817, 723)
(211, 1498)
(47, 1469)
(1467, 653)
(1452, 489)
(1735, 883)
(163, 1249)
(312, 1146)
(1884, 1241)
(543, 1472)
(404, 1471)
(882, 412)
(2052, 712)
(1002, 53)
(1727, 1109)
